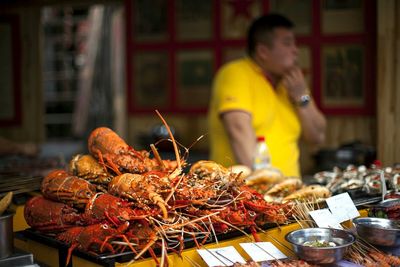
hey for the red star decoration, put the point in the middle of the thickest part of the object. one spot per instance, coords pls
(241, 8)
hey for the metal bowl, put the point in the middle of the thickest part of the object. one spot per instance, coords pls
(378, 231)
(6, 233)
(320, 255)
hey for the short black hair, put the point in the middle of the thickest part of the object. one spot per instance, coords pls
(262, 28)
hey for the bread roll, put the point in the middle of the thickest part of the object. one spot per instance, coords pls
(269, 175)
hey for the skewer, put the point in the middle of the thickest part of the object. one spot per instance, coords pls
(220, 254)
(212, 254)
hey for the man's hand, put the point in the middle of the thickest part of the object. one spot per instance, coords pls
(295, 84)
(313, 122)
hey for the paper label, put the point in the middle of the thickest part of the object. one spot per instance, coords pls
(342, 207)
(324, 218)
(262, 251)
(225, 256)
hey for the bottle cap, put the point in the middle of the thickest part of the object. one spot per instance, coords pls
(260, 138)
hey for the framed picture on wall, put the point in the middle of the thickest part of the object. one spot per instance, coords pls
(150, 80)
(10, 86)
(343, 77)
(342, 16)
(194, 76)
(298, 11)
(150, 20)
(236, 16)
(194, 19)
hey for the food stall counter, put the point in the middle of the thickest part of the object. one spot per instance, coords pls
(53, 255)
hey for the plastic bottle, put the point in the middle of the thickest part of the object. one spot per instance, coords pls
(262, 158)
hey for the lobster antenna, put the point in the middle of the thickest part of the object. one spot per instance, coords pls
(173, 140)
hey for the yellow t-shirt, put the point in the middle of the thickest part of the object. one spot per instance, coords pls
(241, 85)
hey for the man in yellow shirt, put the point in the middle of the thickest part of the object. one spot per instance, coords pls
(264, 94)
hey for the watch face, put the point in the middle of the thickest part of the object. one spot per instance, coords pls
(304, 100)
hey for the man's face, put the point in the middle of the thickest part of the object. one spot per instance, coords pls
(282, 55)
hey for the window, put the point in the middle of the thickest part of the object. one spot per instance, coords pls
(175, 47)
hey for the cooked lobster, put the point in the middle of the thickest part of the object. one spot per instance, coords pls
(112, 151)
(105, 207)
(95, 238)
(88, 168)
(61, 186)
(46, 215)
(138, 188)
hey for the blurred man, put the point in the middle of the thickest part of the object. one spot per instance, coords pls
(264, 94)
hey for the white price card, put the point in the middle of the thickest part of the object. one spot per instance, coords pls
(342, 207)
(225, 256)
(262, 251)
(324, 218)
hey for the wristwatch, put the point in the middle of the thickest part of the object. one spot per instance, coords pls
(304, 100)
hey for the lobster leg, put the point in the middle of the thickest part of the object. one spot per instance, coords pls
(113, 166)
(136, 153)
(159, 201)
(71, 248)
(154, 256)
(129, 243)
(109, 161)
(195, 241)
(255, 234)
(181, 246)
(147, 247)
(199, 227)
(104, 245)
(100, 157)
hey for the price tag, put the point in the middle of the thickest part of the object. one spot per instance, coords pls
(262, 251)
(225, 256)
(324, 218)
(342, 207)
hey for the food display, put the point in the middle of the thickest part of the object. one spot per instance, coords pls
(291, 190)
(388, 208)
(118, 199)
(262, 180)
(360, 180)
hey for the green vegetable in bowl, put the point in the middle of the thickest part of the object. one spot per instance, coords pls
(319, 244)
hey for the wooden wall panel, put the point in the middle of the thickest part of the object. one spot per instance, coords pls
(340, 130)
(388, 91)
(348, 129)
(32, 127)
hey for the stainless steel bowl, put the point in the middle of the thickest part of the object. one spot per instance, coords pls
(378, 231)
(320, 255)
(6, 235)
